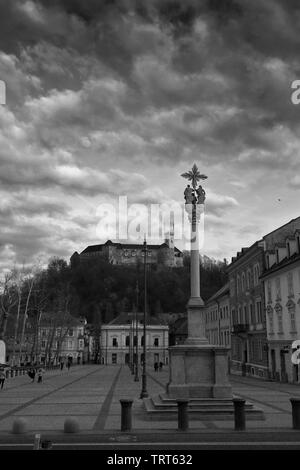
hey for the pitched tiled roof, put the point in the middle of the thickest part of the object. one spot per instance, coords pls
(126, 318)
(284, 262)
(223, 291)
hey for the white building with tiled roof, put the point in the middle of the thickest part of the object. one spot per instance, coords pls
(120, 338)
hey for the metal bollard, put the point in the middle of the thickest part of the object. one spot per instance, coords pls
(46, 445)
(239, 414)
(183, 416)
(36, 443)
(295, 412)
(126, 414)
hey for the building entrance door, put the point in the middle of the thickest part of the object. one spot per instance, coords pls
(273, 363)
(295, 373)
(283, 375)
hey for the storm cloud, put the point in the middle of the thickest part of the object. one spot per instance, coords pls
(108, 98)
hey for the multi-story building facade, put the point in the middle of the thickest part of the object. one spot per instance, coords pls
(281, 281)
(61, 343)
(249, 348)
(123, 337)
(165, 254)
(217, 318)
(248, 323)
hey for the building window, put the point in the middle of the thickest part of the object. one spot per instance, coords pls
(43, 333)
(243, 282)
(290, 282)
(115, 342)
(278, 288)
(252, 316)
(238, 285)
(81, 343)
(269, 292)
(271, 319)
(279, 320)
(232, 289)
(246, 319)
(70, 344)
(156, 341)
(127, 341)
(293, 320)
(71, 332)
(43, 344)
(233, 319)
(240, 315)
(258, 312)
(256, 273)
(248, 279)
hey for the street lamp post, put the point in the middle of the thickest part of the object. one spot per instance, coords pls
(144, 393)
(131, 349)
(136, 378)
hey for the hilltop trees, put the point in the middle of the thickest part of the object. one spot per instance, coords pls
(96, 290)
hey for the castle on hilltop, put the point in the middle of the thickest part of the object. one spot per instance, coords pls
(164, 254)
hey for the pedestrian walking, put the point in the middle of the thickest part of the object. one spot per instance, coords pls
(31, 374)
(156, 366)
(160, 366)
(62, 365)
(40, 375)
(2, 378)
(68, 365)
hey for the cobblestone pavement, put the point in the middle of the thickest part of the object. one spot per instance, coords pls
(91, 394)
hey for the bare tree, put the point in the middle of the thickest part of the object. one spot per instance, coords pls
(8, 300)
(18, 275)
(28, 283)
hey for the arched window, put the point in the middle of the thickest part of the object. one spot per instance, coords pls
(243, 282)
(290, 282)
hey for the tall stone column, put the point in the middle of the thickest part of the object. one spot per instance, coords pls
(195, 307)
(197, 369)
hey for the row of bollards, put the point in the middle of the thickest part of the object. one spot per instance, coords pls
(71, 425)
(183, 415)
(39, 444)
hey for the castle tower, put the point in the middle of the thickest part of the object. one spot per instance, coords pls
(169, 240)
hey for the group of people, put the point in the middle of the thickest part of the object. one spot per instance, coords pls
(194, 196)
(158, 366)
(32, 373)
(2, 377)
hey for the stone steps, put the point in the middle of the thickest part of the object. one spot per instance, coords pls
(161, 407)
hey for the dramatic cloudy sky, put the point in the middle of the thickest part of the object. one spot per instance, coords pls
(119, 97)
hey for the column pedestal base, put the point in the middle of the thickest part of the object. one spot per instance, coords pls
(199, 371)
